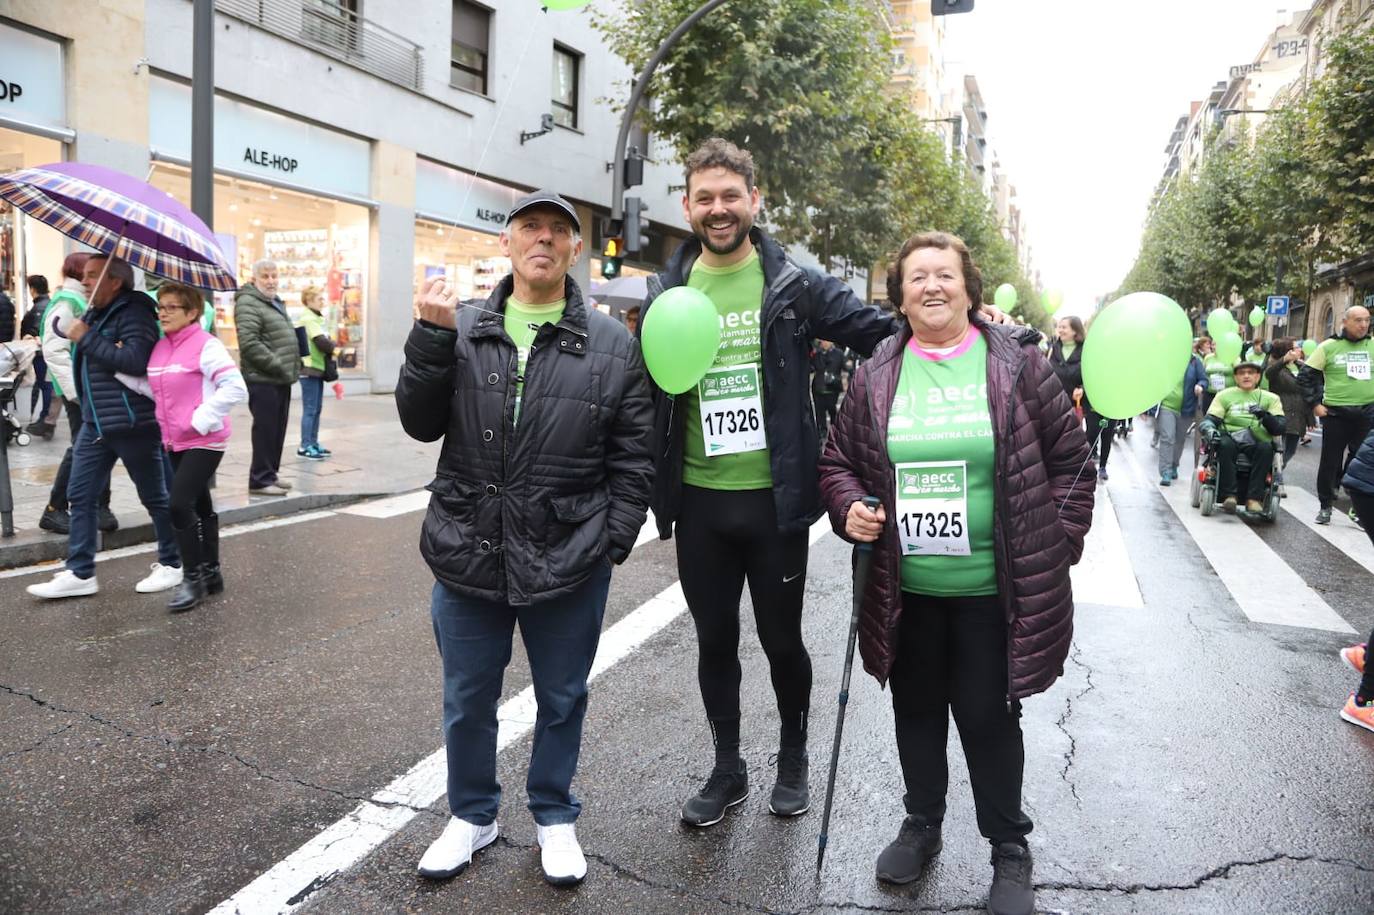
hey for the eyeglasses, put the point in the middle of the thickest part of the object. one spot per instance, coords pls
(161, 308)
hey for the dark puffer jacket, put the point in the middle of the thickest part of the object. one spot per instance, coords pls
(1042, 461)
(524, 514)
(799, 304)
(268, 350)
(1359, 476)
(120, 339)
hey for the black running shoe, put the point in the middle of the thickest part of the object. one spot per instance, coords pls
(790, 795)
(1013, 892)
(724, 789)
(56, 520)
(905, 858)
(106, 520)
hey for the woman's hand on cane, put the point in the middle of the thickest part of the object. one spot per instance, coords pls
(863, 524)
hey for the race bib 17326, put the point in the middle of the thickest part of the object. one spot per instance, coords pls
(731, 410)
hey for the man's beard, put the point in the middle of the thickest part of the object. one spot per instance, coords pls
(741, 233)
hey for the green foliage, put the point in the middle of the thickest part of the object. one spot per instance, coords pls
(845, 168)
(1341, 142)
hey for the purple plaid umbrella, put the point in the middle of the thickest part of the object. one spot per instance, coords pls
(122, 216)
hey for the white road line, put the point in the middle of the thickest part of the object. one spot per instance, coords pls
(1263, 585)
(1340, 533)
(142, 548)
(290, 883)
(389, 507)
(1105, 575)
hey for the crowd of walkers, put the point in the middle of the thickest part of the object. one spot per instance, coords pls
(555, 442)
(146, 383)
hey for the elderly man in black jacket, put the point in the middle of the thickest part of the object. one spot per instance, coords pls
(543, 407)
(111, 342)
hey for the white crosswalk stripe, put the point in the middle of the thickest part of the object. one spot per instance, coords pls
(1340, 533)
(1263, 585)
(1104, 575)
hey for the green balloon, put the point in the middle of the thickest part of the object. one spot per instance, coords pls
(1053, 298)
(1229, 346)
(1005, 297)
(1219, 321)
(564, 4)
(680, 336)
(1136, 352)
(1256, 316)
(1309, 347)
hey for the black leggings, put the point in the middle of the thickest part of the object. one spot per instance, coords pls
(724, 538)
(952, 656)
(1100, 436)
(1364, 507)
(190, 492)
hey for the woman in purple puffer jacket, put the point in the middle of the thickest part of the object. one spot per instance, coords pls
(965, 435)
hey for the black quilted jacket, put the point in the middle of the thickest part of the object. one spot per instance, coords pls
(1042, 462)
(121, 338)
(524, 514)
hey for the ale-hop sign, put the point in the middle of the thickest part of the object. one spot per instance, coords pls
(263, 158)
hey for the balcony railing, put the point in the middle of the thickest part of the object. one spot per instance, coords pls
(337, 32)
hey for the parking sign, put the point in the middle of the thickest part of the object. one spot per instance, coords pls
(1276, 306)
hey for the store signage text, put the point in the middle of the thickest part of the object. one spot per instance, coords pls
(263, 159)
(10, 92)
(491, 216)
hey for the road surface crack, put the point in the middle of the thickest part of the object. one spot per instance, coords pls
(182, 746)
(38, 743)
(1221, 872)
(1062, 724)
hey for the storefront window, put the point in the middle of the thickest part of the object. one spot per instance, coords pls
(27, 247)
(315, 241)
(471, 261)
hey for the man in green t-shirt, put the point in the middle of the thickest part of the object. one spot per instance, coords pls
(1243, 420)
(1337, 383)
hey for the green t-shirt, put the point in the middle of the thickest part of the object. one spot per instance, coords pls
(1232, 407)
(522, 324)
(1347, 369)
(939, 438)
(313, 322)
(1174, 399)
(726, 448)
(1220, 374)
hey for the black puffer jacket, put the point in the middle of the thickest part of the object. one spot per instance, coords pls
(520, 515)
(799, 304)
(120, 339)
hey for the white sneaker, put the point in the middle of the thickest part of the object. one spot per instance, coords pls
(451, 853)
(64, 584)
(159, 579)
(560, 854)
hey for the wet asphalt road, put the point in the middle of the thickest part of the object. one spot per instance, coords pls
(1190, 760)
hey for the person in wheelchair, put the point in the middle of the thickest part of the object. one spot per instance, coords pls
(1243, 421)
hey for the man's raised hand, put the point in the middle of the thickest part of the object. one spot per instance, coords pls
(438, 304)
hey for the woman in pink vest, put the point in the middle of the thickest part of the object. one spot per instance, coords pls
(194, 384)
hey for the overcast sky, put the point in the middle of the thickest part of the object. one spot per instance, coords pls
(1081, 99)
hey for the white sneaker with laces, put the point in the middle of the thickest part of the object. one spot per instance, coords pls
(64, 584)
(159, 579)
(561, 855)
(451, 853)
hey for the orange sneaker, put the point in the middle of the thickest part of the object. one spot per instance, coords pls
(1354, 657)
(1361, 715)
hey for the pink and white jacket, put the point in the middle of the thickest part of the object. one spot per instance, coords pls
(194, 382)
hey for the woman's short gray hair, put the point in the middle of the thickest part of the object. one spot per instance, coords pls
(264, 264)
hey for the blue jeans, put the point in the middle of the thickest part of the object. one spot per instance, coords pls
(92, 460)
(474, 637)
(312, 397)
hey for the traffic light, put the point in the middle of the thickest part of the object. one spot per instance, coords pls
(636, 239)
(611, 257)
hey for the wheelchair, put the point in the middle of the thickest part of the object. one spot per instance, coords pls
(1208, 473)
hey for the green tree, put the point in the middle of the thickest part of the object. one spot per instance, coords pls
(1340, 142)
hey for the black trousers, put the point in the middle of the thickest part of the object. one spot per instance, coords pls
(1100, 436)
(190, 493)
(1343, 431)
(952, 656)
(1364, 507)
(1261, 456)
(826, 406)
(270, 405)
(723, 540)
(57, 498)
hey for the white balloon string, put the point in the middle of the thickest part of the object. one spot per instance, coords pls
(500, 109)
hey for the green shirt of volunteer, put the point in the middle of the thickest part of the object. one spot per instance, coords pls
(1346, 367)
(939, 439)
(1232, 407)
(522, 324)
(313, 322)
(724, 446)
(1220, 374)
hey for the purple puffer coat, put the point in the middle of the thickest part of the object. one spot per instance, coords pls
(1042, 461)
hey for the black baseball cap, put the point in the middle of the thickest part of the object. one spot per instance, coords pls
(548, 199)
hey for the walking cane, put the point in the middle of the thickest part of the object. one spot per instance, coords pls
(862, 561)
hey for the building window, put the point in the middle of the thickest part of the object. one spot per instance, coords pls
(565, 77)
(471, 36)
(332, 22)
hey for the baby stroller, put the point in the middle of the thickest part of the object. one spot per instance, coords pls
(15, 360)
(1204, 492)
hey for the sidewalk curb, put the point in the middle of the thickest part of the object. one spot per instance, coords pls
(53, 547)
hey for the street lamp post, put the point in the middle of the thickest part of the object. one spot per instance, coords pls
(203, 112)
